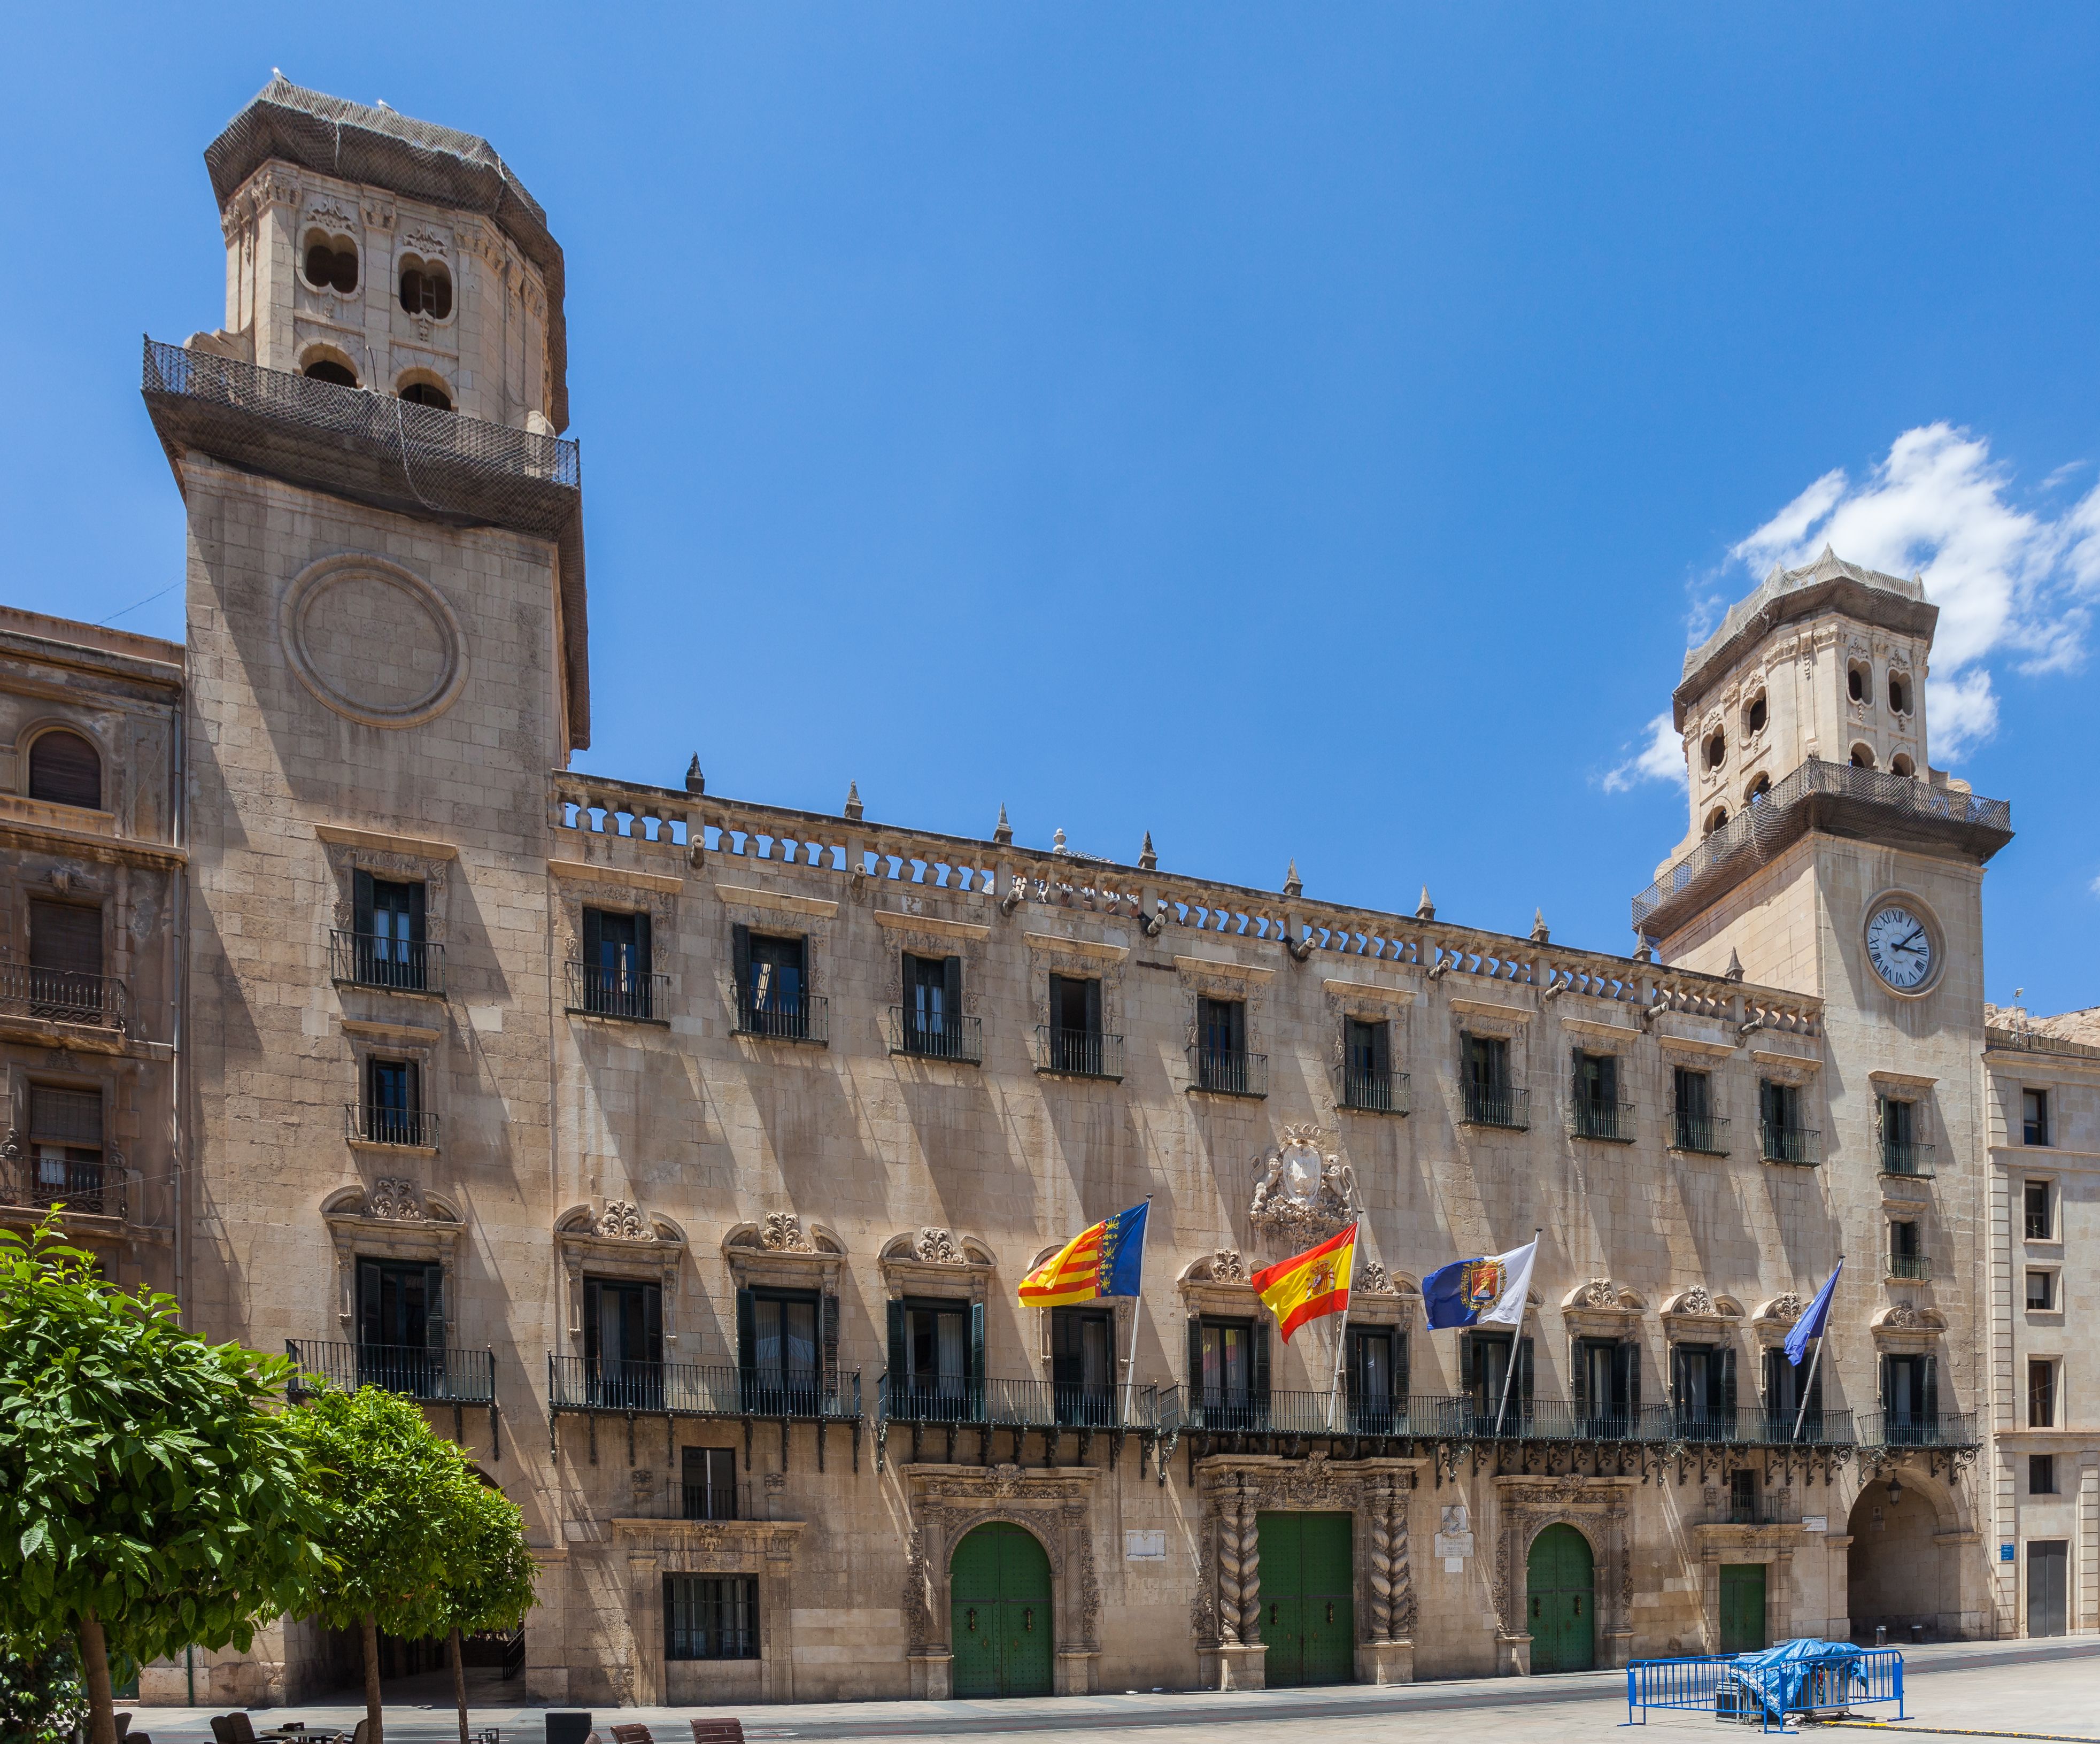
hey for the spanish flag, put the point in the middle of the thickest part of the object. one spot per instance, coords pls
(1309, 1284)
(1107, 1260)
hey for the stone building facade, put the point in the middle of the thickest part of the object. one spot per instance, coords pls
(683, 1154)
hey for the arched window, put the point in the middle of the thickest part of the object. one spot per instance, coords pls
(327, 370)
(1863, 756)
(65, 770)
(1754, 717)
(331, 263)
(426, 288)
(1716, 750)
(427, 394)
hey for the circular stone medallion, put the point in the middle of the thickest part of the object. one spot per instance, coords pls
(373, 641)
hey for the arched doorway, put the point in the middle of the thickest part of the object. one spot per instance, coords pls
(1896, 1575)
(1560, 1583)
(999, 1605)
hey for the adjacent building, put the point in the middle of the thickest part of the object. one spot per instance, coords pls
(682, 1154)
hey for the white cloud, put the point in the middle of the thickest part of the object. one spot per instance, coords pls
(1661, 759)
(2013, 582)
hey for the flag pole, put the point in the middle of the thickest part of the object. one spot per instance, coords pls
(1516, 1349)
(1136, 1308)
(1815, 1357)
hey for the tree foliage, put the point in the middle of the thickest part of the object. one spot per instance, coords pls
(148, 1495)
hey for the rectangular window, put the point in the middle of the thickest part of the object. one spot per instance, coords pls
(623, 1343)
(617, 981)
(2036, 1202)
(1489, 1097)
(709, 1486)
(772, 984)
(933, 1008)
(1367, 1080)
(2041, 1289)
(1221, 1048)
(1692, 1112)
(1075, 1040)
(710, 1616)
(1377, 1379)
(393, 1102)
(65, 1141)
(2034, 1117)
(2041, 1393)
(1082, 1369)
(2041, 1474)
(387, 945)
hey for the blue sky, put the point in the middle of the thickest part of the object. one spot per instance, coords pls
(1305, 431)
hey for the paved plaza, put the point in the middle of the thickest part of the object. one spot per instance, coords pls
(2027, 1688)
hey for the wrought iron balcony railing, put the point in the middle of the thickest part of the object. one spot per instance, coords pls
(1902, 1156)
(1223, 1072)
(92, 1189)
(1078, 1053)
(1608, 1123)
(433, 1375)
(1800, 1146)
(1917, 1429)
(947, 1037)
(694, 1390)
(1370, 1093)
(1703, 1135)
(368, 445)
(62, 996)
(1024, 1403)
(374, 960)
(772, 1017)
(636, 995)
(1914, 1268)
(1491, 1105)
(414, 1127)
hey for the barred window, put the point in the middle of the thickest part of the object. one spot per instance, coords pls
(710, 1616)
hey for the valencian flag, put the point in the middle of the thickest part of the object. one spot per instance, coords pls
(1107, 1260)
(1309, 1284)
(1474, 1292)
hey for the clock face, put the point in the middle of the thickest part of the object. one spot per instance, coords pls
(1900, 947)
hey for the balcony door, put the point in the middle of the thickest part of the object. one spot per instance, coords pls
(623, 1343)
(1082, 1365)
(401, 1326)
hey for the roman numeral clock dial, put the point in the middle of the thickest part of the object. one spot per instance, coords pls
(1899, 946)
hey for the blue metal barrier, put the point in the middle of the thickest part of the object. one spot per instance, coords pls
(1763, 1689)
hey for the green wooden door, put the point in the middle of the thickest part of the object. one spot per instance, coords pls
(999, 1609)
(1743, 1608)
(1561, 1587)
(1308, 1612)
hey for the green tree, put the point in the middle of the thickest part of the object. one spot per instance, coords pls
(150, 1499)
(489, 1581)
(394, 1494)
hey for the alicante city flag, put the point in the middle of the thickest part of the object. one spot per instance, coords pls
(1107, 1260)
(1476, 1292)
(1310, 1284)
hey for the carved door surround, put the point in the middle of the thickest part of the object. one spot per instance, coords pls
(947, 1503)
(657, 1548)
(1598, 1508)
(1225, 1620)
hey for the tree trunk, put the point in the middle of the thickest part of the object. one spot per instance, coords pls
(375, 1723)
(459, 1682)
(94, 1666)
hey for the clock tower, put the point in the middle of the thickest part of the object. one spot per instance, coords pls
(1825, 854)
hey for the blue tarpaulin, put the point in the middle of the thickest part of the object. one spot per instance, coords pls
(1798, 1675)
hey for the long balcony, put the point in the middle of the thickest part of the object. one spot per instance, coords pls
(63, 996)
(1834, 797)
(1604, 1123)
(582, 1386)
(442, 1375)
(1701, 1135)
(772, 1016)
(370, 446)
(408, 1128)
(630, 996)
(1020, 1406)
(1800, 1146)
(1494, 1105)
(948, 1036)
(1078, 1053)
(374, 960)
(1220, 1072)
